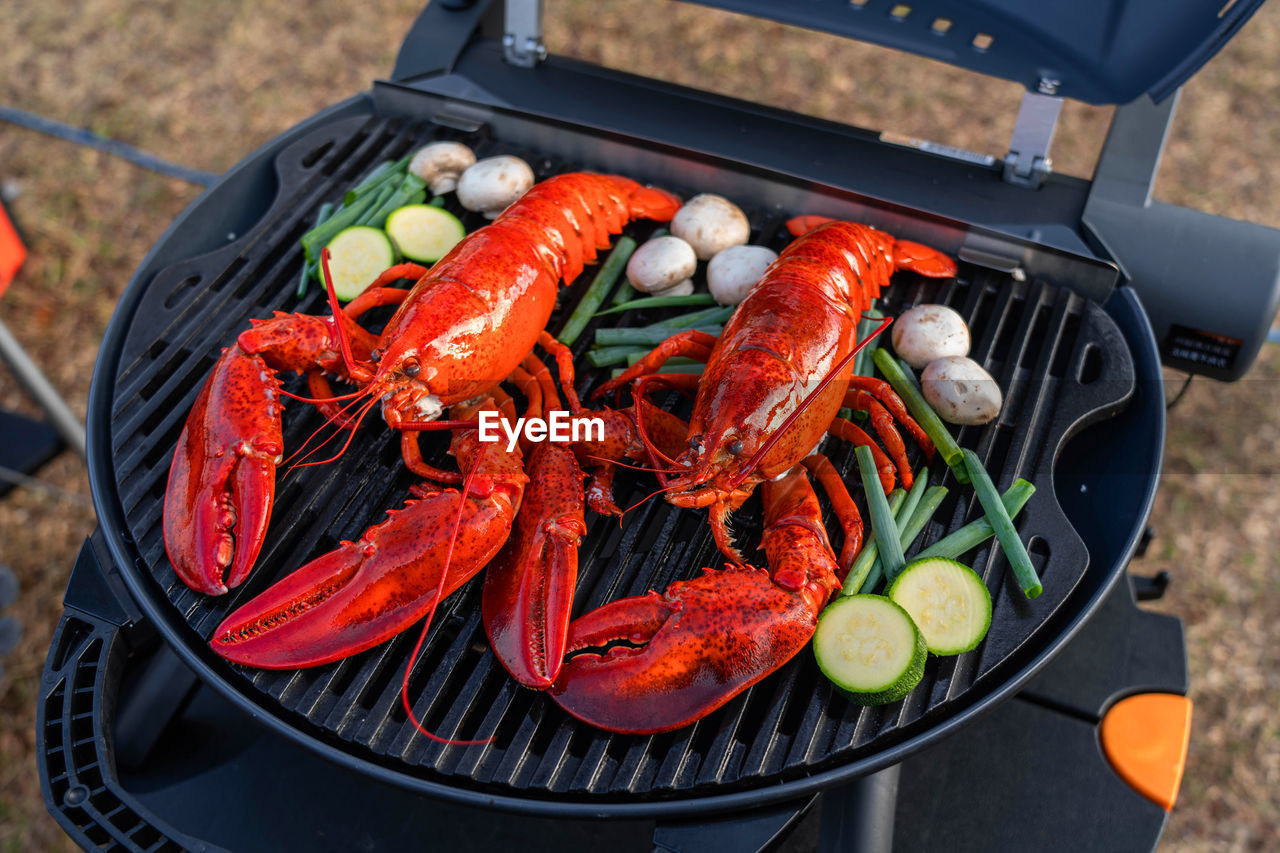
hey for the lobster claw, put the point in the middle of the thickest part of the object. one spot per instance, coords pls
(659, 661)
(676, 656)
(363, 593)
(222, 480)
(528, 591)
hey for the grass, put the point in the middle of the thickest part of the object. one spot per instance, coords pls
(204, 84)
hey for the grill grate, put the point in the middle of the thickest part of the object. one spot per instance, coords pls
(1045, 345)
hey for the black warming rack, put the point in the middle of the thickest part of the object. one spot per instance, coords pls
(1070, 308)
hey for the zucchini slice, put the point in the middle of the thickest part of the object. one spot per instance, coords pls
(357, 256)
(423, 232)
(948, 601)
(869, 647)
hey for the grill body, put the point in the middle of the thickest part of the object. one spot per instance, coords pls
(1063, 360)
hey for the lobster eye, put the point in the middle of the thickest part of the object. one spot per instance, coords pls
(736, 447)
(375, 356)
(695, 441)
(412, 369)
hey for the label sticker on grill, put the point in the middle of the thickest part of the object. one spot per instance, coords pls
(1201, 347)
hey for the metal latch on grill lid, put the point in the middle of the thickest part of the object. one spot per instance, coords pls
(522, 33)
(1028, 164)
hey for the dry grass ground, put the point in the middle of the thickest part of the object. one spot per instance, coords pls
(204, 84)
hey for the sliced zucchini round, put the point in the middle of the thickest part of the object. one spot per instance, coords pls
(948, 601)
(424, 232)
(357, 256)
(869, 647)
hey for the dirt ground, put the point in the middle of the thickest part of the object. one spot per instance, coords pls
(204, 84)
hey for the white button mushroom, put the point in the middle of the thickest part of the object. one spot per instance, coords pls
(684, 288)
(711, 224)
(961, 391)
(661, 264)
(440, 164)
(733, 272)
(926, 333)
(493, 183)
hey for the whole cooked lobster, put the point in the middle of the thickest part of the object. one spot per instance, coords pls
(467, 324)
(774, 381)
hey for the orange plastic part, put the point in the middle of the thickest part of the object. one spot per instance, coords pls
(12, 252)
(1145, 738)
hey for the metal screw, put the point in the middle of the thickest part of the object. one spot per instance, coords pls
(1049, 85)
(75, 795)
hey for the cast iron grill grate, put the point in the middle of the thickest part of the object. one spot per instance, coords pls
(1045, 345)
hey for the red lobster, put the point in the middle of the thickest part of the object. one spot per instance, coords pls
(659, 661)
(467, 324)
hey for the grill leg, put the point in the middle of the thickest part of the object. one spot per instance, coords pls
(859, 816)
(35, 383)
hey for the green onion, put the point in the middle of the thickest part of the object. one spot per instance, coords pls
(882, 522)
(973, 534)
(606, 277)
(436, 201)
(624, 293)
(866, 558)
(862, 361)
(317, 238)
(923, 412)
(661, 302)
(708, 317)
(1014, 550)
(913, 497)
(909, 527)
(410, 191)
(909, 372)
(642, 336)
(386, 172)
(605, 356)
(674, 361)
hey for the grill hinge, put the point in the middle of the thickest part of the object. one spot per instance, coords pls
(1027, 164)
(522, 34)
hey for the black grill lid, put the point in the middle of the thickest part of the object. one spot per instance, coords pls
(1098, 51)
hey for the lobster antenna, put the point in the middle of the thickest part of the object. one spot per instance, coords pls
(776, 435)
(332, 419)
(339, 318)
(359, 417)
(335, 397)
(426, 625)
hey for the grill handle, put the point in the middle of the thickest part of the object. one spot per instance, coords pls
(81, 725)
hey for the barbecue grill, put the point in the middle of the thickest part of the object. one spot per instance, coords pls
(150, 741)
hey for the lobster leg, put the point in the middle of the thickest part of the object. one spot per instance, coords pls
(853, 434)
(846, 510)
(691, 344)
(367, 591)
(884, 393)
(884, 427)
(659, 661)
